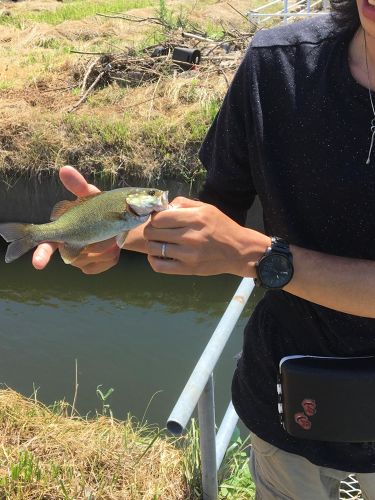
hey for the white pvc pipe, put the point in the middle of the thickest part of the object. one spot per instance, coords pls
(206, 418)
(194, 387)
(225, 433)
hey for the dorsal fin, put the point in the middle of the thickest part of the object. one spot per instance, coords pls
(63, 206)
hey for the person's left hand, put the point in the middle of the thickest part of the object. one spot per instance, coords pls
(201, 240)
(95, 258)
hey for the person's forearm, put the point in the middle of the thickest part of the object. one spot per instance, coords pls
(343, 284)
(339, 283)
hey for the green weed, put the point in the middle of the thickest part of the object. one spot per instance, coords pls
(197, 122)
(24, 471)
(234, 478)
(50, 43)
(87, 128)
(27, 469)
(103, 396)
(158, 133)
(9, 20)
(235, 481)
(171, 20)
(4, 85)
(47, 60)
(214, 30)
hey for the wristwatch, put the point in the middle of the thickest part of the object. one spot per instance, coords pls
(275, 268)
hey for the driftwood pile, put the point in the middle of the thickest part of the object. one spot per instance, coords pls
(128, 68)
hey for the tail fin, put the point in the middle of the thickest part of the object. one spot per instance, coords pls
(19, 237)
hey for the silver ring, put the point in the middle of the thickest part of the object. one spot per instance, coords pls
(164, 250)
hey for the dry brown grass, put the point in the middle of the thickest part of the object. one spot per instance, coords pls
(149, 131)
(48, 455)
(165, 120)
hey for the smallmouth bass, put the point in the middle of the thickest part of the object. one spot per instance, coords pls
(91, 219)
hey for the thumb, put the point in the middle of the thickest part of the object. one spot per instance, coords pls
(43, 254)
(75, 182)
(182, 202)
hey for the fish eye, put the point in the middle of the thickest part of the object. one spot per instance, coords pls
(151, 192)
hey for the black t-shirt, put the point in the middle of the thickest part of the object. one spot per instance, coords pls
(294, 129)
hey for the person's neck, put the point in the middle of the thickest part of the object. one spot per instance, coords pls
(363, 73)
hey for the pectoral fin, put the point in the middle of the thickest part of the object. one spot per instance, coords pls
(70, 252)
(120, 239)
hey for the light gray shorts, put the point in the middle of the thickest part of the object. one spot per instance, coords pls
(279, 475)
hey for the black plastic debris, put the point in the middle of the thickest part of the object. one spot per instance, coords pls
(185, 57)
(159, 51)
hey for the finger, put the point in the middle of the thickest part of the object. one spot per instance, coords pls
(182, 202)
(84, 260)
(166, 266)
(186, 255)
(171, 266)
(171, 251)
(176, 218)
(42, 255)
(75, 182)
(98, 267)
(174, 235)
(101, 247)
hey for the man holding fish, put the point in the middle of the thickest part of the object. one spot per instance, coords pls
(297, 129)
(202, 240)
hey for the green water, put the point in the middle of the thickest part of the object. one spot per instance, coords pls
(130, 329)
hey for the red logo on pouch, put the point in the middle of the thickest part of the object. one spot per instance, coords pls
(302, 421)
(302, 418)
(309, 407)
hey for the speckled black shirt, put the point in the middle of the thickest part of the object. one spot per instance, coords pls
(294, 128)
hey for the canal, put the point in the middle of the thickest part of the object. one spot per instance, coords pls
(129, 329)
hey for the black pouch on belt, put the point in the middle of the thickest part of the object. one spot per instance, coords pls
(328, 398)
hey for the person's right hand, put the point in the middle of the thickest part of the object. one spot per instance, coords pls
(93, 259)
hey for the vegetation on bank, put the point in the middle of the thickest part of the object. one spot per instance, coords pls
(149, 130)
(52, 453)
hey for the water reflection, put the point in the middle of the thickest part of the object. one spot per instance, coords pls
(129, 328)
(131, 282)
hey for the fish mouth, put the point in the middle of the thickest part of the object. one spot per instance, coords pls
(159, 206)
(163, 202)
(132, 211)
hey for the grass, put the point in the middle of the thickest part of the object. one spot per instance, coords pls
(145, 132)
(124, 144)
(234, 476)
(155, 129)
(74, 10)
(46, 60)
(48, 454)
(52, 453)
(108, 133)
(81, 9)
(235, 482)
(4, 85)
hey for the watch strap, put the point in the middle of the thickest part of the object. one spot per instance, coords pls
(279, 245)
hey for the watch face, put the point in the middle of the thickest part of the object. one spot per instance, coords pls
(275, 270)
